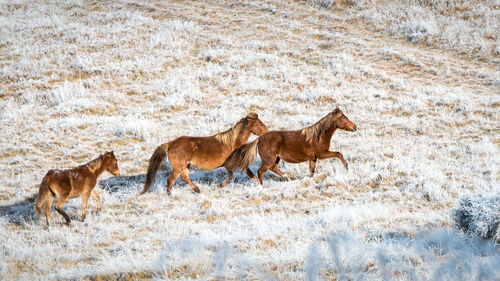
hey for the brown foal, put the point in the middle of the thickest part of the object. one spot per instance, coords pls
(205, 153)
(309, 144)
(72, 183)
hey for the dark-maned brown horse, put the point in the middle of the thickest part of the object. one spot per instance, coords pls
(205, 153)
(309, 144)
(72, 183)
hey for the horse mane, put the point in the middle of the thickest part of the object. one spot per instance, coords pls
(228, 137)
(315, 132)
(95, 164)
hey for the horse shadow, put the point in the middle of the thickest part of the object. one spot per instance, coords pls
(215, 177)
(23, 212)
(212, 178)
(122, 183)
(20, 212)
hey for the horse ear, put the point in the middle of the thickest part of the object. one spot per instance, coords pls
(112, 153)
(252, 115)
(337, 113)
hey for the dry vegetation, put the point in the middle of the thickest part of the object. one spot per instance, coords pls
(421, 79)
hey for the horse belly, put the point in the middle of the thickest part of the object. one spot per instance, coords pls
(295, 151)
(207, 163)
(76, 191)
(294, 158)
(80, 185)
(207, 156)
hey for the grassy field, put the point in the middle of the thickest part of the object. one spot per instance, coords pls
(421, 79)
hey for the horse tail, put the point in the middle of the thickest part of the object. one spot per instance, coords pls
(242, 157)
(43, 193)
(154, 164)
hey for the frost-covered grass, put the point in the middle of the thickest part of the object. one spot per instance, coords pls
(466, 27)
(78, 78)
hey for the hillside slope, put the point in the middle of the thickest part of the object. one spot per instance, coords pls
(78, 78)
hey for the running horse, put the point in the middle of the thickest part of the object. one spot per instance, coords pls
(309, 144)
(205, 153)
(72, 183)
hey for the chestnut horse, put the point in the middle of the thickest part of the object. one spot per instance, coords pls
(309, 144)
(72, 183)
(205, 153)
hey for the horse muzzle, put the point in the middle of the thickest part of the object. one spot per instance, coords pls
(354, 129)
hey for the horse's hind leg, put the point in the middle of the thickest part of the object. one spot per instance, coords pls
(275, 168)
(59, 204)
(48, 207)
(185, 178)
(229, 177)
(251, 175)
(171, 180)
(268, 160)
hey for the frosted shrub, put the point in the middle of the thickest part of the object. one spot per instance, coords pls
(479, 214)
(438, 255)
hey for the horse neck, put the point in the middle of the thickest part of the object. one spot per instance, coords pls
(241, 137)
(327, 136)
(99, 168)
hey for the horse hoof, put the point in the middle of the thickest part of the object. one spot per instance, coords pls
(287, 177)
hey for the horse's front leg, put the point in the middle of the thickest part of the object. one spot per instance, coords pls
(332, 154)
(251, 175)
(85, 199)
(186, 179)
(275, 169)
(96, 198)
(59, 207)
(312, 166)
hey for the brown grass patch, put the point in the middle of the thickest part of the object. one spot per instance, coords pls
(127, 276)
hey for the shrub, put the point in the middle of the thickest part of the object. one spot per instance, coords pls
(479, 214)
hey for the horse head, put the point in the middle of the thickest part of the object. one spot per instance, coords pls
(111, 163)
(256, 126)
(342, 122)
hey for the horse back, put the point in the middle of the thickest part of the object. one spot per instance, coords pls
(282, 138)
